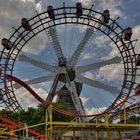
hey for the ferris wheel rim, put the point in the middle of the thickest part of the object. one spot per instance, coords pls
(89, 18)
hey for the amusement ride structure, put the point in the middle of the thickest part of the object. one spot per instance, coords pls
(64, 63)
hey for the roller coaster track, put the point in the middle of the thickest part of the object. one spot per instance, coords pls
(10, 127)
(14, 125)
(129, 110)
(31, 91)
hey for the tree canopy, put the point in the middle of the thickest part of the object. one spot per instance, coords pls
(33, 116)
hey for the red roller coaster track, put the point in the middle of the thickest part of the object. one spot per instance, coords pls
(15, 79)
(14, 125)
(10, 127)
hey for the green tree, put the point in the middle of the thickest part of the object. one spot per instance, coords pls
(33, 116)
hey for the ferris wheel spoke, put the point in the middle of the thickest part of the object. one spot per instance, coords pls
(46, 66)
(76, 100)
(81, 46)
(52, 34)
(97, 84)
(114, 60)
(37, 80)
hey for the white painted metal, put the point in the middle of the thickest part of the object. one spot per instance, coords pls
(81, 47)
(37, 80)
(76, 100)
(114, 60)
(52, 34)
(97, 84)
(43, 65)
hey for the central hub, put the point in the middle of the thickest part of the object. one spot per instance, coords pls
(70, 72)
(62, 62)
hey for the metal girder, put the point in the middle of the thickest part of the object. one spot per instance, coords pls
(37, 80)
(52, 91)
(97, 84)
(81, 46)
(114, 60)
(52, 34)
(76, 100)
(46, 66)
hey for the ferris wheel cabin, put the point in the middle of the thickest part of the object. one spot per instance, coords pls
(79, 11)
(127, 34)
(106, 16)
(138, 60)
(6, 43)
(50, 12)
(25, 23)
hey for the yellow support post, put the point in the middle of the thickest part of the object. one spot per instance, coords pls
(50, 122)
(48, 135)
(97, 122)
(107, 124)
(97, 132)
(46, 125)
(97, 135)
(124, 114)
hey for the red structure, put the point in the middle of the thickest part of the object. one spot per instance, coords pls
(12, 125)
(137, 90)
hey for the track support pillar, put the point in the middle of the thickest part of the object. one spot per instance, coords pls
(48, 134)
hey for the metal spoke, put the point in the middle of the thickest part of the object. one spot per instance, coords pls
(97, 84)
(81, 46)
(37, 80)
(52, 34)
(114, 60)
(43, 65)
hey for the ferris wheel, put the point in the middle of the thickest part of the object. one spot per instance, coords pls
(73, 55)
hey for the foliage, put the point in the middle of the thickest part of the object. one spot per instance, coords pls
(132, 120)
(37, 115)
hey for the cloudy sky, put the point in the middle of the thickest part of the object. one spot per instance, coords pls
(39, 48)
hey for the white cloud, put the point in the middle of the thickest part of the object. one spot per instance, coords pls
(87, 55)
(89, 75)
(136, 35)
(102, 40)
(84, 100)
(113, 6)
(26, 99)
(111, 72)
(85, 2)
(11, 12)
(95, 110)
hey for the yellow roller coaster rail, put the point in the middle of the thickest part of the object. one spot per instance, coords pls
(107, 127)
(6, 134)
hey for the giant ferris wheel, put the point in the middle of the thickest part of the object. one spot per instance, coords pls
(73, 55)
